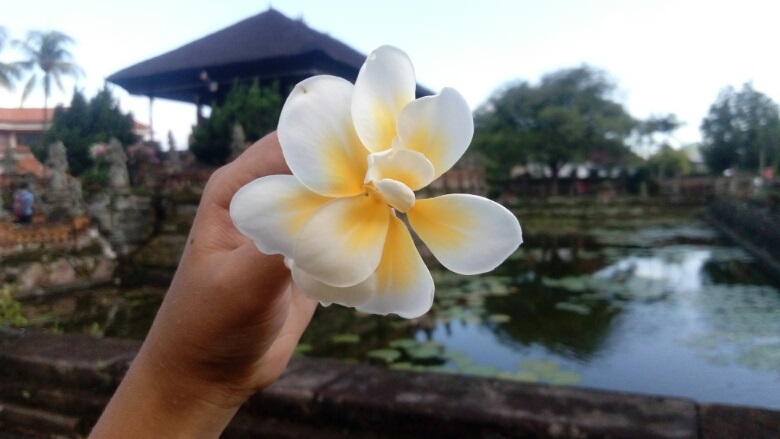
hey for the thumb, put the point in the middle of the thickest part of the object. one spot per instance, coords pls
(253, 274)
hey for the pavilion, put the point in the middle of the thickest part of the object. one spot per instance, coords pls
(268, 47)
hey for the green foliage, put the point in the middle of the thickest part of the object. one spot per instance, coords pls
(568, 117)
(10, 310)
(742, 130)
(95, 177)
(46, 52)
(84, 124)
(653, 133)
(256, 108)
(668, 162)
(9, 72)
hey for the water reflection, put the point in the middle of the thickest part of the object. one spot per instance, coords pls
(685, 316)
(536, 320)
(662, 309)
(673, 271)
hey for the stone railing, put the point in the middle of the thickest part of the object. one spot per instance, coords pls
(57, 385)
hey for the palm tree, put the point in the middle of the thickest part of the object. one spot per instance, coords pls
(46, 52)
(9, 73)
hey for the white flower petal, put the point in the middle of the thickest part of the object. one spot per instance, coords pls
(341, 243)
(409, 167)
(440, 127)
(467, 234)
(385, 84)
(395, 194)
(318, 137)
(271, 211)
(403, 285)
(326, 294)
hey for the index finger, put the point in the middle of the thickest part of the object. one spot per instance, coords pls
(263, 158)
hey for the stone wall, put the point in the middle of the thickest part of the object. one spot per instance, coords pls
(56, 386)
(40, 258)
(752, 225)
(127, 221)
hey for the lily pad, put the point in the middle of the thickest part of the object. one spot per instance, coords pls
(384, 356)
(440, 369)
(303, 348)
(571, 283)
(480, 370)
(424, 353)
(403, 365)
(403, 343)
(541, 367)
(548, 372)
(499, 318)
(573, 307)
(399, 324)
(458, 358)
(521, 375)
(345, 339)
(564, 378)
(765, 357)
(472, 319)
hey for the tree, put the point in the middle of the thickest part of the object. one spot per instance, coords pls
(254, 107)
(9, 73)
(46, 51)
(570, 116)
(85, 123)
(669, 162)
(646, 133)
(742, 130)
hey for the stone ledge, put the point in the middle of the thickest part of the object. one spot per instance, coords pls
(65, 360)
(729, 422)
(438, 405)
(68, 401)
(16, 418)
(42, 374)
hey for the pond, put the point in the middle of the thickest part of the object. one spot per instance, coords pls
(644, 301)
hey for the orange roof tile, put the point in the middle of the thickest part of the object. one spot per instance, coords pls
(26, 161)
(23, 115)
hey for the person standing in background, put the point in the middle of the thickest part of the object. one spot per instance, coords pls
(23, 204)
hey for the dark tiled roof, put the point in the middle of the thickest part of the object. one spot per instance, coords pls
(267, 46)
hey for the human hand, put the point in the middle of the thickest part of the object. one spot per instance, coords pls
(227, 327)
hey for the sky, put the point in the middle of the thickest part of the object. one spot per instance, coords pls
(665, 56)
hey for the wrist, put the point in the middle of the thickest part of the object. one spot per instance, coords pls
(155, 399)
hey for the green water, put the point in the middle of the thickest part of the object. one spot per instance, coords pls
(647, 300)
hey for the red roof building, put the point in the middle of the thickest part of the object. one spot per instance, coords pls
(26, 163)
(22, 126)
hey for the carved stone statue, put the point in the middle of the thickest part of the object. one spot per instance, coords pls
(173, 161)
(58, 163)
(9, 161)
(237, 140)
(118, 177)
(3, 213)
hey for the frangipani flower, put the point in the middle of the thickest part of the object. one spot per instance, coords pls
(357, 154)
